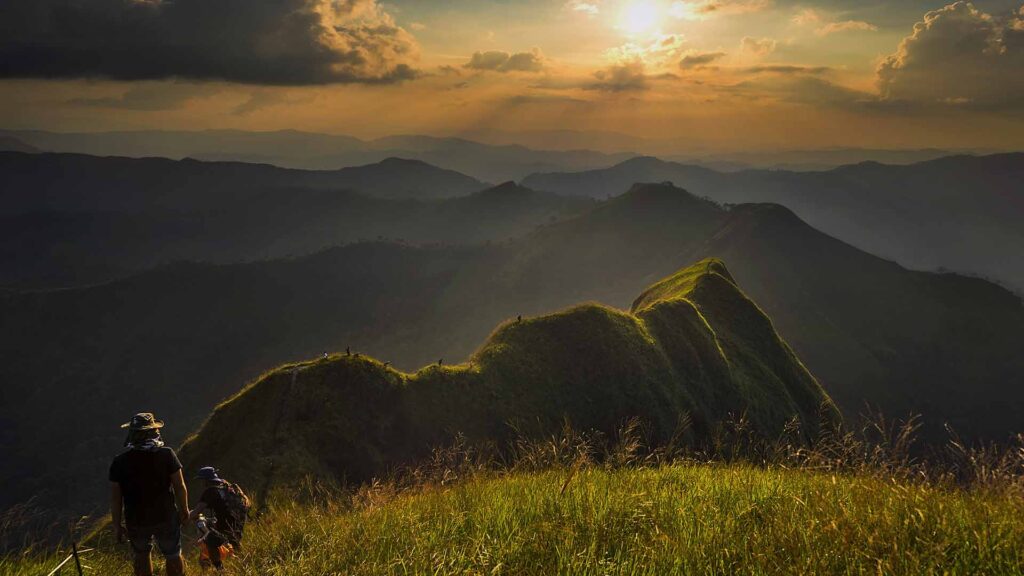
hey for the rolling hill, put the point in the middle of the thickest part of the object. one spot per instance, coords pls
(694, 347)
(961, 213)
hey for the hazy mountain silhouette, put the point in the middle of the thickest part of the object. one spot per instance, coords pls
(74, 220)
(74, 182)
(179, 338)
(962, 213)
(812, 160)
(311, 151)
(11, 144)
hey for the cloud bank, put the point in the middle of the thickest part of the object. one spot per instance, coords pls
(499, 61)
(700, 60)
(757, 47)
(958, 55)
(275, 42)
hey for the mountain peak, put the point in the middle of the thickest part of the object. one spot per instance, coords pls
(681, 284)
(643, 162)
(659, 194)
(506, 190)
(394, 161)
(767, 212)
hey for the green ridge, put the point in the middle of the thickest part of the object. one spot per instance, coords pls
(693, 346)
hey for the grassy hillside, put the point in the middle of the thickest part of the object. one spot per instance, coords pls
(940, 345)
(683, 518)
(703, 352)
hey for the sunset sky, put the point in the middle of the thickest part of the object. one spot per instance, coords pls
(701, 74)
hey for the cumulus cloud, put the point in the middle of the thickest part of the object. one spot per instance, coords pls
(624, 77)
(787, 69)
(808, 17)
(706, 7)
(588, 7)
(846, 26)
(825, 26)
(499, 61)
(700, 59)
(280, 42)
(662, 51)
(756, 46)
(958, 55)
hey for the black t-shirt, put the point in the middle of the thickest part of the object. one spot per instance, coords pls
(145, 479)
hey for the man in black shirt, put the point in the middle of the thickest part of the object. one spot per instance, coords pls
(147, 486)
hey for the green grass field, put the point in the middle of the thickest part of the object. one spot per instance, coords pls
(673, 519)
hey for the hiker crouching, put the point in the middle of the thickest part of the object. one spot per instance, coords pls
(147, 487)
(228, 506)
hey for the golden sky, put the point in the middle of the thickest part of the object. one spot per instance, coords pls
(697, 74)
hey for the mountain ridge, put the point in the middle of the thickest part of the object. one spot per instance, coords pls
(590, 365)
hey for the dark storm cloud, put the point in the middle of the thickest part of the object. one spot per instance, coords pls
(281, 42)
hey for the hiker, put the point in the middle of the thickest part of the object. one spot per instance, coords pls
(227, 503)
(148, 491)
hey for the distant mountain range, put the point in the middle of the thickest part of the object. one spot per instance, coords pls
(962, 213)
(682, 150)
(488, 155)
(68, 216)
(11, 144)
(694, 349)
(83, 183)
(310, 151)
(179, 338)
(71, 220)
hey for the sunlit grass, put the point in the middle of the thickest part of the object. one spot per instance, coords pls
(681, 518)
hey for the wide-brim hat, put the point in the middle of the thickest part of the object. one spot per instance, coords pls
(208, 473)
(143, 421)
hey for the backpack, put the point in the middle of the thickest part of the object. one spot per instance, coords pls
(237, 503)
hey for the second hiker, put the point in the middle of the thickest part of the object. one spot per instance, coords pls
(224, 501)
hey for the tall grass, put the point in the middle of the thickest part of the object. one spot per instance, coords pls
(853, 502)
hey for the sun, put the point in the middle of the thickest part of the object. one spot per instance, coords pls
(640, 17)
